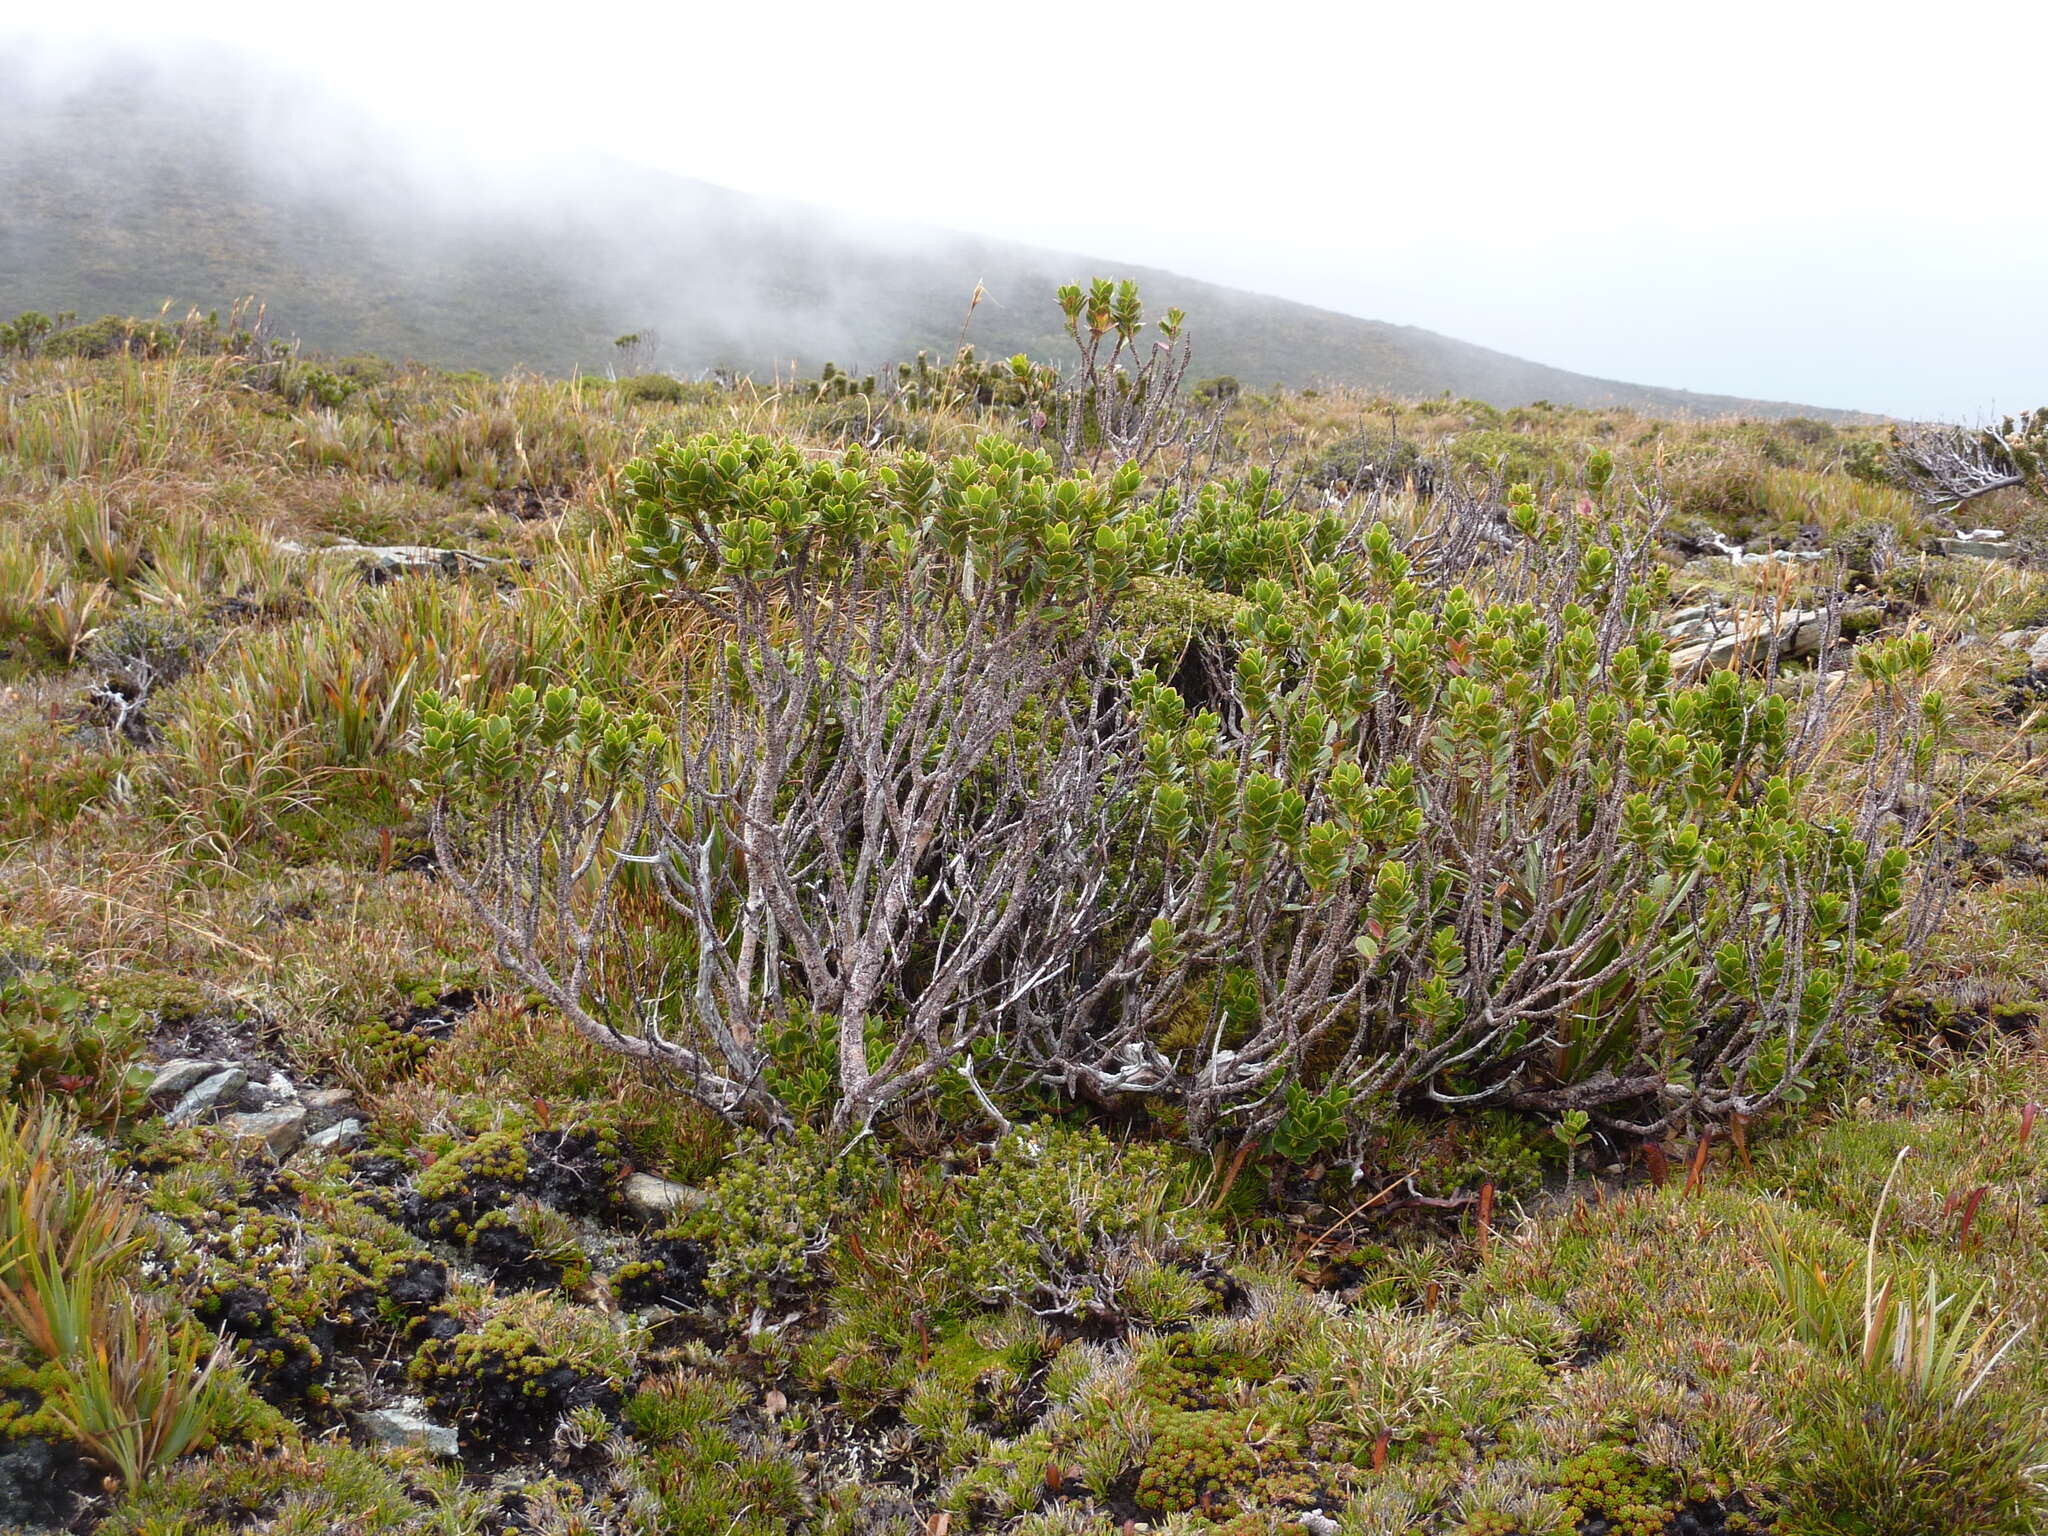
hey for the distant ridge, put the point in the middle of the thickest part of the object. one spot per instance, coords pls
(125, 194)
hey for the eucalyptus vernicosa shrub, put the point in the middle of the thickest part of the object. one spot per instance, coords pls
(1119, 402)
(1441, 821)
(878, 787)
(1123, 403)
(1485, 847)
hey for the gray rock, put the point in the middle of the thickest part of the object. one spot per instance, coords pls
(1804, 642)
(338, 1137)
(657, 1199)
(33, 1492)
(1691, 623)
(279, 1130)
(1981, 549)
(1796, 633)
(272, 1093)
(177, 1077)
(208, 1095)
(2018, 639)
(382, 562)
(326, 1107)
(401, 1426)
(2037, 654)
(389, 560)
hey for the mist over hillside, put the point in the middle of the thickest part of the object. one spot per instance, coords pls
(198, 181)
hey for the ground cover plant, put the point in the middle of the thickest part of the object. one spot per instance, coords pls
(998, 948)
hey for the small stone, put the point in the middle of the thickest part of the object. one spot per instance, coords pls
(179, 1076)
(206, 1096)
(399, 1426)
(646, 1195)
(2037, 654)
(2018, 639)
(278, 1129)
(338, 1137)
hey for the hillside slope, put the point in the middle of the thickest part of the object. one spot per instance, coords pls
(127, 195)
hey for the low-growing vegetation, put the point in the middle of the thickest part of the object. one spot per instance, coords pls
(991, 948)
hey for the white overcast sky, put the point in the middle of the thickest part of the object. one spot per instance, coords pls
(1845, 204)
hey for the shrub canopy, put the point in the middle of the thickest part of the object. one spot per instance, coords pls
(1181, 798)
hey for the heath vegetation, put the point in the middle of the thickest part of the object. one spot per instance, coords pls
(1000, 947)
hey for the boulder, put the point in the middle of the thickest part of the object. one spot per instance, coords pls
(41, 1483)
(1979, 549)
(279, 1130)
(178, 1077)
(1688, 623)
(1796, 633)
(273, 1092)
(385, 562)
(338, 1137)
(208, 1095)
